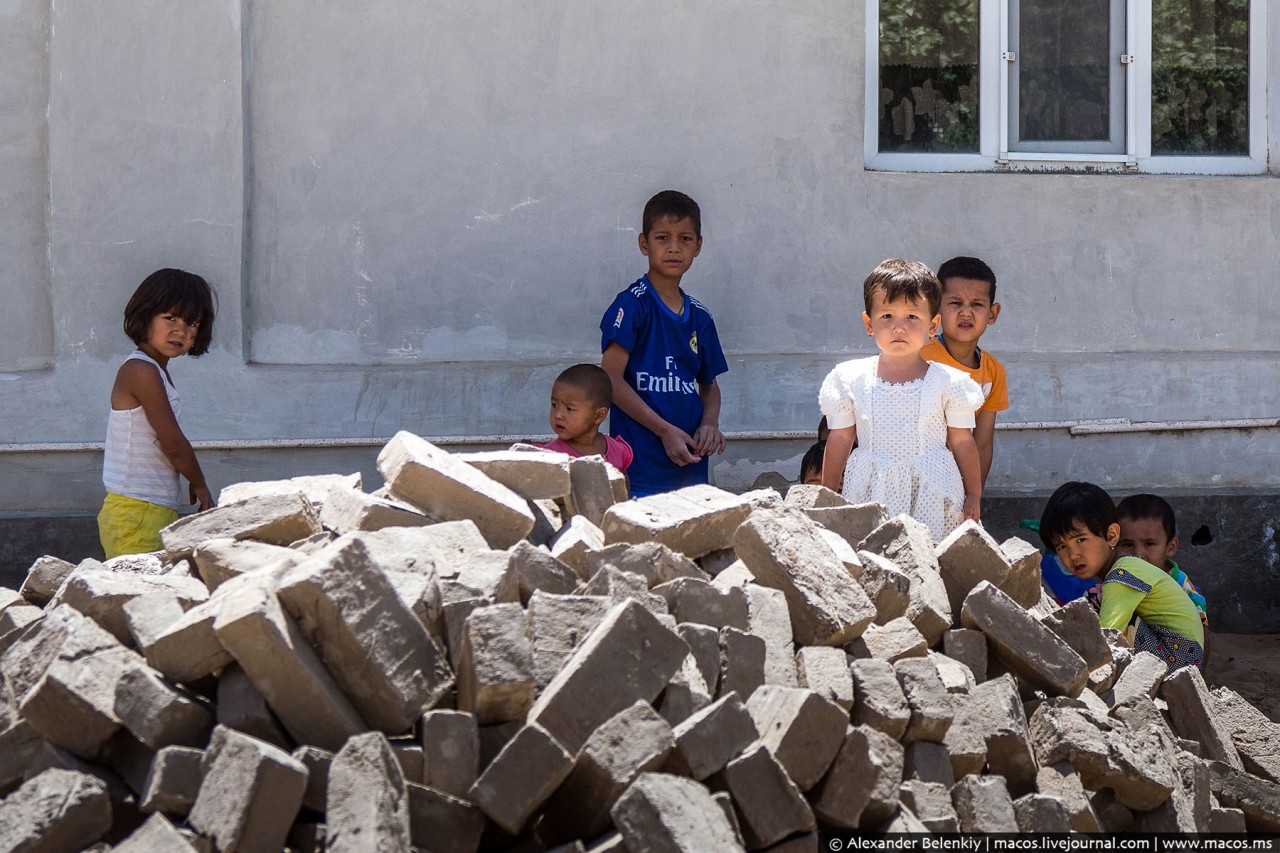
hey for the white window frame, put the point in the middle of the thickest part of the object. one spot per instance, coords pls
(993, 122)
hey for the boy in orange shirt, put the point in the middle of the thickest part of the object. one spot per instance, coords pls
(968, 307)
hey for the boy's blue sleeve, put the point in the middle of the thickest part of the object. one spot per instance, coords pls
(713, 361)
(622, 322)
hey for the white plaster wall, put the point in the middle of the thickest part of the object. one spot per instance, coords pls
(415, 213)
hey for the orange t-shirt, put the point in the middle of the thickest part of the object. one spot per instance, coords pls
(989, 374)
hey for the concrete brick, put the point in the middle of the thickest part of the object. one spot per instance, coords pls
(879, 701)
(408, 753)
(709, 739)
(1192, 715)
(970, 648)
(436, 549)
(827, 606)
(284, 668)
(102, 594)
(803, 730)
(617, 586)
(743, 659)
(628, 657)
(557, 625)
(160, 715)
(367, 806)
(770, 806)
(533, 474)
(250, 794)
(811, 496)
(907, 544)
(38, 645)
(525, 773)
(57, 810)
(633, 742)
(653, 561)
(983, 805)
(43, 579)
(845, 552)
(315, 487)
(694, 600)
(956, 677)
(965, 742)
(1076, 622)
(1188, 808)
(825, 671)
(724, 800)
(894, 641)
(770, 619)
(536, 569)
(220, 560)
(1255, 737)
(447, 488)
(1226, 820)
(694, 521)
(1142, 677)
(996, 713)
(241, 706)
(173, 781)
(495, 675)
(1026, 647)
(1257, 798)
(1023, 583)
(926, 761)
(887, 587)
(931, 708)
(277, 519)
(686, 693)
(376, 649)
(349, 510)
(967, 557)
(440, 822)
(931, 804)
(704, 644)
(1062, 782)
(548, 517)
(1041, 813)
(184, 649)
(861, 788)
(573, 543)
(903, 821)
(591, 493)
(664, 812)
(317, 761)
(734, 574)
(489, 574)
(156, 835)
(14, 621)
(851, 523)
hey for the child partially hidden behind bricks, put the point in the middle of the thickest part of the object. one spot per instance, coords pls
(1081, 525)
(579, 403)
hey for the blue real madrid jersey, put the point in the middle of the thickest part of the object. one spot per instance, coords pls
(670, 355)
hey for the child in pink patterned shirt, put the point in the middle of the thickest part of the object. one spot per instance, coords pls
(580, 400)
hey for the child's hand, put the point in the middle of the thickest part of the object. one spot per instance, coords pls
(680, 447)
(708, 439)
(200, 495)
(972, 507)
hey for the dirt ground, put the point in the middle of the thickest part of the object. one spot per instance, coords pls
(1250, 665)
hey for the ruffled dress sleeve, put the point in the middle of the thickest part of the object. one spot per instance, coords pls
(961, 401)
(836, 401)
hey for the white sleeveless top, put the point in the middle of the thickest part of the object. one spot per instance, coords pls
(133, 464)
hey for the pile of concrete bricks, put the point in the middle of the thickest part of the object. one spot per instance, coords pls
(497, 651)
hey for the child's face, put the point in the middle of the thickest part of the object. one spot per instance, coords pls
(572, 414)
(671, 245)
(169, 335)
(1085, 553)
(1145, 538)
(967, 309)
(901, 327)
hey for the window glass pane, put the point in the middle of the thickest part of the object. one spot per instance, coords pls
(1200, 77)
(929, 75)
(1064, 80)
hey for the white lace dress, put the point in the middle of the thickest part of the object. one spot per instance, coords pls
(902, 459)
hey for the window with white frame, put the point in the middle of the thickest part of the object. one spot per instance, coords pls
(1138, 85)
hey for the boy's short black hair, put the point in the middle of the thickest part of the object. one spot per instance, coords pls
(671, 203)
(184, 293)
(1140, 507)
(1076, 504)
(900, 279)
(591, 380)
(963, 266)
(812, 460)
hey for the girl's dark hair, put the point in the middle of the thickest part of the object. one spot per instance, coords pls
(185, 294)
(812, 460)
(899, 279)
(1076, 504)
(1142, 507)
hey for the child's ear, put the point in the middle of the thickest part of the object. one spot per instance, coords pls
(1172, 547)
(1113, 534)
(934, 324)
(643, 240)
(601, 414)
(866, 321)
(995, 313)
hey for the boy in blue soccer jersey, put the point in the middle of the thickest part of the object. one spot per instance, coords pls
(663, 354)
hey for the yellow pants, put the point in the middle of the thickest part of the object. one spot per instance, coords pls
(131, 526)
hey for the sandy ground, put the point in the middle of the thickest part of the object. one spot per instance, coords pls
(1250, 665)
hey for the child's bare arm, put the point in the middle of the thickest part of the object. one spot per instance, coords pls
(707, 438)
(839, 444)
(984, 434)
(963, 447)
(142, 382)
(678, 444)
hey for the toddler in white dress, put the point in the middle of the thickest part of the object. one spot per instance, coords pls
(912, 419)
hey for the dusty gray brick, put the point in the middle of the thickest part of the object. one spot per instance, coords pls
(967, 557)
(450, 751)
(533, 474)
(894, 641)
(927, 698)
(102, 594)
(575, 541)
(653, 561)
(1142, 677)
(367, 805)
(525, 773)
(664, 812)
(1026, 647)
(241, 706)
(695, 600)
(187, 648)
(1041, 813)
(996, 713)
(160, 715)
(1192, 715)
(970, 648)
(1076, 622)
(56, 810)
(956, 677)
(879, 701)
(926, 761)
(907, 544)
(930, 802)
(704, 645)
(43, 579)
(983, 805)
(861, 788)
(1062, 782)
(173, 781)
(825, 671)
(591, 488)
(557, 625)
(221, 559)
(277, 519)
(317, 761)
(770, 620)
(1257, 798)
(1255, 737)
(349, 510)
(495, 674)
(440, 822)
(250, 794)
(802, 729)
(686, 693)
(1226, 820)
(770, 806)
(743, 659)
(315, 487)
(711, 738)
(536, 569)
(694, 521)
(156, 835)
(1023, 583)
(888, 588)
